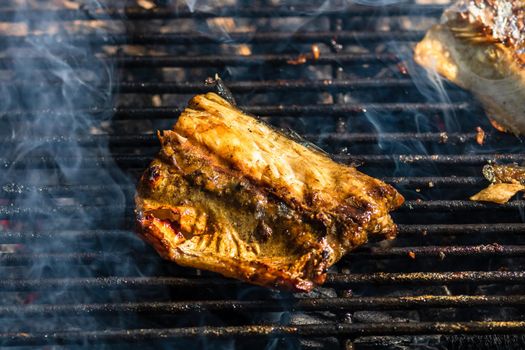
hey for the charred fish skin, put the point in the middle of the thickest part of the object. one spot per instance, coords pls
(229, 194)
(480, 47)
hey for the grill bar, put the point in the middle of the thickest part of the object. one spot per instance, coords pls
(321, 330)
(19, 190)
(441, 252)
(244, 86)
(478, 277)
(278, 110)
(337, 279)
(24, 236)
(462, 229)
(191, 38)
(10, 212)
(454, 205)
(113, 283)
(335, 109)
(311, 304)
(212, 61)
(454, 159)
(137, 13)
(257, 86)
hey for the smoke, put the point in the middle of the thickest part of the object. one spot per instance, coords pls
(377, 2)
(191, 4)
(43, 80)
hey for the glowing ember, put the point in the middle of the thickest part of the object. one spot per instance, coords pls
(480, 136)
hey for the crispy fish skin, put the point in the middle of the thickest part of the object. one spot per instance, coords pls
(229, 194)
(506, 181)
(481, 49)
(499, 193)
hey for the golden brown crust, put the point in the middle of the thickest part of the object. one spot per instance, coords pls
(229, 194)
(499, 193)
(293, 172)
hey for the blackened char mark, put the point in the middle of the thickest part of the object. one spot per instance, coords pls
(151, 178)
(354, 211)
(221, 88)
(263, 232)
(380, 192)
(312, 198)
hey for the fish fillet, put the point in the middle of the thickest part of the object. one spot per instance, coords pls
(230, 194)
(480, 46)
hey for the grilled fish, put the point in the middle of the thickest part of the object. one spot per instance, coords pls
(230, 194)
(480, 46)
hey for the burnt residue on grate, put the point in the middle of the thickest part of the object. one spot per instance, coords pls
(85, 87)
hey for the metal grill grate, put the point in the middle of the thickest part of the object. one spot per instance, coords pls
(454, 277)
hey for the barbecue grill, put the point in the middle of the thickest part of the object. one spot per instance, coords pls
(74, 274)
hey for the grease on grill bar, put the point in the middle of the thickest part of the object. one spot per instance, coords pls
(265, 331)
